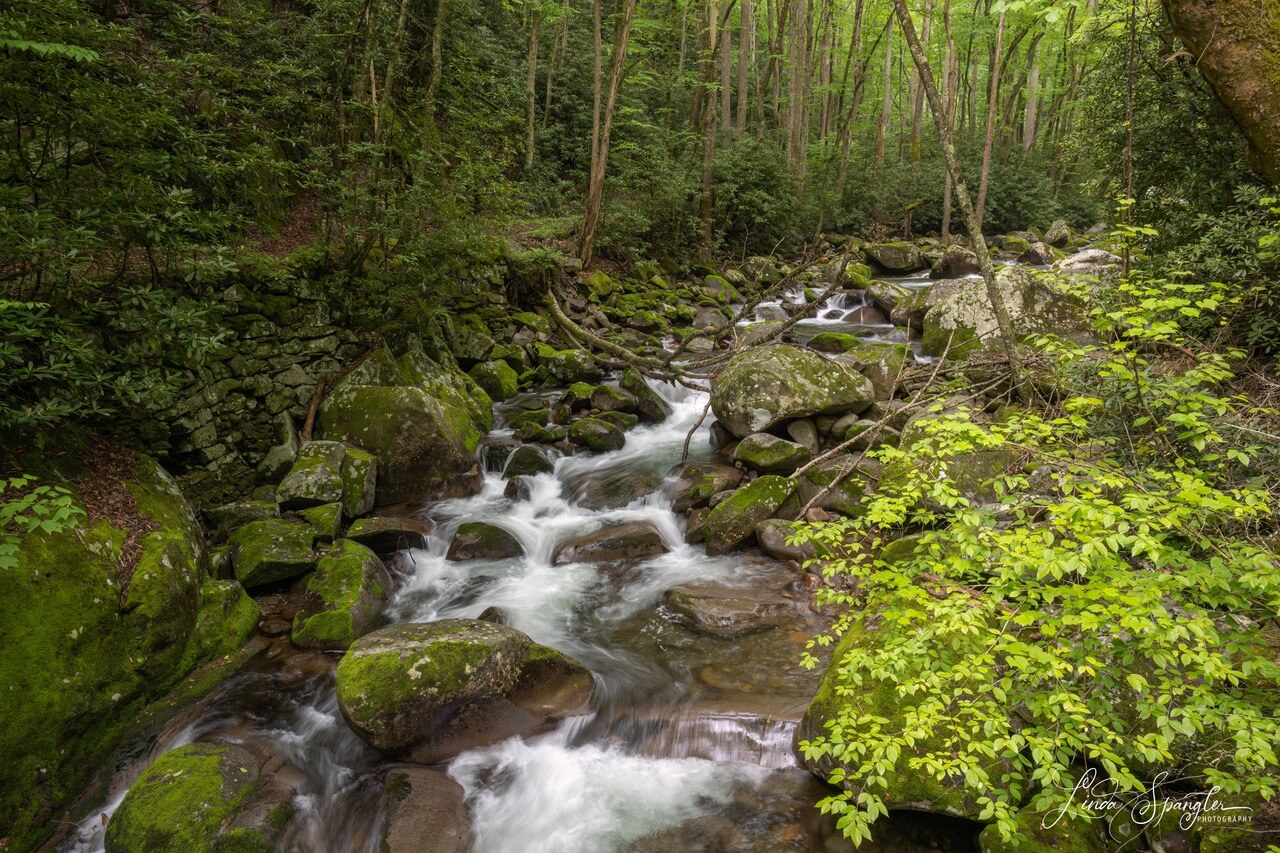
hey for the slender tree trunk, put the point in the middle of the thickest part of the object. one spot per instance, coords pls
(992, 103)
(746, 58)
(437, 55)
(595, 189)
(886, 106)
(597, 73)
(558, 47)
(855, 99)
(998, 306)
(393, 57)
(917, 105)
(952, 75)
(531, 86)
(724, 47)
(1029, 120)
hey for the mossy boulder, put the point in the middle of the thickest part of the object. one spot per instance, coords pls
(607, 398)
(569, 365)
(386, 534)
(343, 599)
(1069, 834)
(497, 378)
(955, 263)
(264, 552)
(525, 461)
(769, 454)
(476, 540)
(222, 520)
(965, 320)
(315, 478)
(421, 419)
(836, 485)
(900, 257)
(359, 482)
(732, 522)
(227, 618)
(651, 408)
(882, 364)
(834, 342)
(596, 434)
(325, 520)
(886, 294)
(622, 420)
(541, 435)
(189, 800)
(763, 387)
(91, 636)
(636, 540)
(699, 481)
(600, 286)
(1059, 234)
(424, 692)
(774, 537)
(535, 417)
(469, 338)
(910, 310)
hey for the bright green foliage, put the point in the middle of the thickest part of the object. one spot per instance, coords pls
(49, 508)
(1119, 616)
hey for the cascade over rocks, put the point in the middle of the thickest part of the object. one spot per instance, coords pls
(635, 540)
(424, 692)
(763, 387)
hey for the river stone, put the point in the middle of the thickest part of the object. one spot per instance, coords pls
(699, 481)
(955, 263)
(264, 552)
(424, 692)
(536, 417)
(615, 492)
(517, 489)
(898, 257)
(315, 478)
(866, 315)
(1040, 254)
(343, 600)
(386, 534)
(910, 310)
(905, 787)
(830, 489)
(606, 398)
(476, 540)
(189, 799)
(568, 366)
(596, 434)
(966, 319)
(526, 461)
(769, 454)
(722, 612)
(651, 408)
(422, 420)
(763, 387)
(1059, 234)
(541, 435)
(804, 432)
(497, 379)
(732, 522)
(773, 535)
(882, 364)
(635, 540)
(424, 811)
(622, 420)
(833, 342)
(886, 294)
(1088, 262)
(359, 482)
(758, 333)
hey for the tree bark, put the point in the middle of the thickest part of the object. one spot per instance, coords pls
(531, 86)
(998, 306)
(746, 58)
(886, 106)
(595, 189)
(437, 55)
(993, 101)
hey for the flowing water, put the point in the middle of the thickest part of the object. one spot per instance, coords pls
(690, 737)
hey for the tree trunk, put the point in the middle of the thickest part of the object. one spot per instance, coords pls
(1029, 121)
(917, 105)
(998, 306)
(595, 189)
(951, 71)
(531, 86)
(992, 103)
(725, 48)
(1236, 44)
(437, 55)
(597, 62)
(746, 58)
(886, 106)
(557, 48)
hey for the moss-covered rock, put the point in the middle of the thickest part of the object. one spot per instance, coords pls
(596, 434)
(427, 691)
(359, 482)
(834, 342)
(898, 257)
(525, 461)
(422, 420)
(344, 598)
(882, 364)
(476, 540)
(763, 387)
(227, 618)
(202, 798)
(534, 417)
(607, 398)
(221, 520)
(315, 478)
(1067, 835)
(622, 420)
(732, 522)
(388, 534)
(636, 540)
(699, 482)
(651, 408)
(836, 485)
(264, 552)
(497, 379)
(469, 338)
(600, 286)
(769, 454)
(540, 435)
(910, 310)
(325, 520)
(955, 263)
(90, 637)
(965, 319)
(569, 365)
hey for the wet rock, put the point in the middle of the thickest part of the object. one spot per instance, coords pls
(614, 492)
(732, 522)
(698, 482)
(637, 540)
(568, 366)
(955, 263)
(866, 315)
(606, 398)
(886, 294)
(497, 378)
(264, 552)
(387, 534)
(834, 342)
(596, 434)
(722, 612)
(343, 600)
(190, 799)
(651, 408)
(769, 454)
(424, 811)
(622, 420)
(772, 535)
(898, 257)
(517, 489)
(537, 417)
(540, 434)
(476, 540)
(527, 461)
(496, 615)
(763, 387)
(695, 527)
(425, 692)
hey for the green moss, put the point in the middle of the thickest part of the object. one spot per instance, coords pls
(228, 617)
(325, 520)
(534, 417)
(264, 552)
(1066, 836)
(596, 434)
(622, 420)
(769, 454)
(371, 683)
(733, 521)
(497, 379)
(834, 342)
(182, 800)
(359, 480)
(344, 598)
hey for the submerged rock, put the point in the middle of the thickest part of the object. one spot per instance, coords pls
(636, 540)
(425, 692)
(526, 461)
(763, 387)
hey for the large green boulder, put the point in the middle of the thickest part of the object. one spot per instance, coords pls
(478, 540)
(422, 420)
(965, 320)
(202, 798)
(343, 600)
(469, 338)
(265, 552)
(836, 485)
(315, 478)
(882, 364)
(898, 257)
(568, 365)
(497, 378)
(227, 618)
(763, 387)
(910, 310)
(769, 454)
(596, 434)
(424, 692)
(97, 621)
(732, 522)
